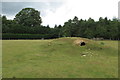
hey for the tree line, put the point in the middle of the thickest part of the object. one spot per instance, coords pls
(27, 25)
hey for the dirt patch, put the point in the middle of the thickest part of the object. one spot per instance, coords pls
(79, 41)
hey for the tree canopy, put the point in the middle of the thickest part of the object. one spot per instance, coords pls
(28, 21)
(28, 17)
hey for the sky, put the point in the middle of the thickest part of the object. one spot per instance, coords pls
(59, 11)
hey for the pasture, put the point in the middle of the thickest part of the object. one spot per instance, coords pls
(59, 58)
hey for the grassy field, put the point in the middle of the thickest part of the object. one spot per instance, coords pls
(60, 58)
(0, 59)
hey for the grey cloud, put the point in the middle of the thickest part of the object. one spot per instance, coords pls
(12, 8)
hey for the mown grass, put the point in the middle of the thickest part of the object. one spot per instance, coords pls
(59, 58)
(0, 59)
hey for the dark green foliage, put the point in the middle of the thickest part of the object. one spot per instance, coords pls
(57, 31)
(28, 17)
(26, 36)
(104, 28)
(28, 21)
(102, 43)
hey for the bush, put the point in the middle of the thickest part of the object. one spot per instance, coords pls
(102, 43)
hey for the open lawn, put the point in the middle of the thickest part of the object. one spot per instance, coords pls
(59, 58)
(0, 59)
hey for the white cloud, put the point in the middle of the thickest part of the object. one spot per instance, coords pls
(82, 9)
(30, 0)
(9, 16)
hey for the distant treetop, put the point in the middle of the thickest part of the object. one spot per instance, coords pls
(28, 17)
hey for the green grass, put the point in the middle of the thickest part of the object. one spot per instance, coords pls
(0, 59)
(59, 58)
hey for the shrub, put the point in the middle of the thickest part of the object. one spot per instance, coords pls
(102, 43)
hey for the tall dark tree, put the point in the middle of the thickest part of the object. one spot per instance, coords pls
(5, 28)
(28, 17)
(67, 28)
(75, 26)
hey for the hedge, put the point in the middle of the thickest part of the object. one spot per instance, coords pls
(27, 36)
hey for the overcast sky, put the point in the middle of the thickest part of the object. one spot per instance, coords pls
(58, 11)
